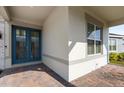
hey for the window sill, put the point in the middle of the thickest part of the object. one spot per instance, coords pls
(98, 54)
(113, 51)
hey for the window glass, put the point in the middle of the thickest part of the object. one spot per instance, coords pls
(94, 39)
(90, 46)
(91, 31)
(112, 45)
(98, 33)
(98, 46)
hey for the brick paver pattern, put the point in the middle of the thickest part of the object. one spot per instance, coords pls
(41, 76)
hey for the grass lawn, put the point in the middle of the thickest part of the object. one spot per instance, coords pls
(121, 63)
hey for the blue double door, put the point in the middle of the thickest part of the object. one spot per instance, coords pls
(26, 45)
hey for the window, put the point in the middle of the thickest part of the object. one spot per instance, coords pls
(123, 42)
(112, 44)
(94, 38)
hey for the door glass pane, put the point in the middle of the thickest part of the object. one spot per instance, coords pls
(90, 46)
(35, 45)
(20, 44)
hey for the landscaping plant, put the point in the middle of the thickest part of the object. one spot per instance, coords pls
(116, 58)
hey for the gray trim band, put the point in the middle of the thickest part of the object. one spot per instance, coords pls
(57, 59)
(89, 58)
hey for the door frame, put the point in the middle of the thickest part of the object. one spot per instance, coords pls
(13, 40)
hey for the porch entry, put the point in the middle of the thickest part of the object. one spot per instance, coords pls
(26, 44)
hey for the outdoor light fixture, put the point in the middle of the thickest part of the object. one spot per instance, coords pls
(0, 35)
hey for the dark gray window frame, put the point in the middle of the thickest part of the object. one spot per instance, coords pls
(96, 23)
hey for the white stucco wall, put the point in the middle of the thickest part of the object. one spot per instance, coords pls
(55, 41)
(6, 45)
(8, 56)
(84, 67)
(65, 46)
(77, 34)
(80, 62)
(2, 48)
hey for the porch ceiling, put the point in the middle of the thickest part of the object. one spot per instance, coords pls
(29, 14)
(113, 15)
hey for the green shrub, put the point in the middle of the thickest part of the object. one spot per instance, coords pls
(121, 56)
(114, 56)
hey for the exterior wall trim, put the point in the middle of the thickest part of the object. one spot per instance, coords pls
(57, 59)
(89, 58)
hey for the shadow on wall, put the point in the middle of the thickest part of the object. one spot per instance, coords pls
(71, 45)
(78, 49)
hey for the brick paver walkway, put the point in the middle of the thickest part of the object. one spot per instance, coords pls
(32, 76)
(42, 76)
(107, 76)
